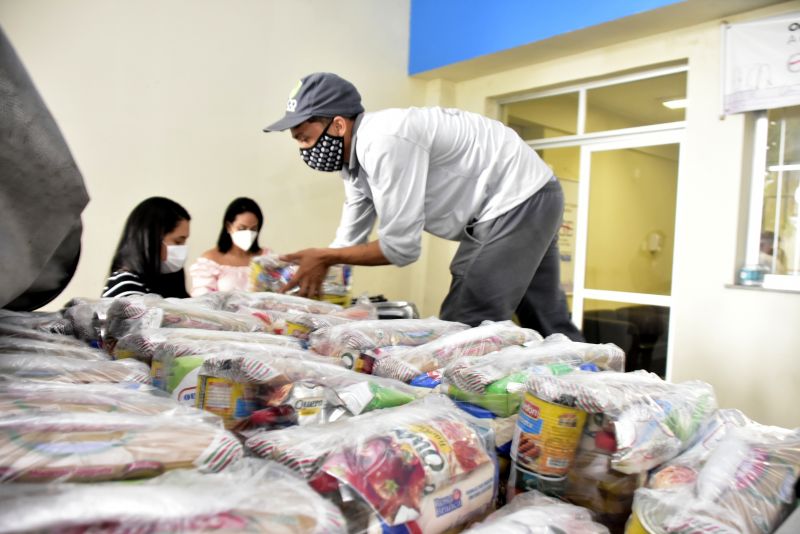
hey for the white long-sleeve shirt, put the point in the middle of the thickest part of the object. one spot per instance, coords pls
(431, 169)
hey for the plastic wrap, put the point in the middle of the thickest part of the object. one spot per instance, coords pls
(274, 320)
(682, 470)
(347, 341)
(427, 465)
(477, 374)
(19, 345)
(653, 420)
(143, 344)
(71, 370)
(262, 390)
(362, 310)
(250, 496)
(214, 300)
(302, 324)
(278, 302)
(130, 315)
(535, 513)
(165, 347)
(474, 342)
(52, 322)
(592, 483)
(497, 381)
(26, 397)
(176, 365)
(16, 331)
(269, 273)
(735, 479)
(84, 315)
(109, 446)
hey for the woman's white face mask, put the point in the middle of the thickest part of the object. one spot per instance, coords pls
(176, 257)
(244, 238)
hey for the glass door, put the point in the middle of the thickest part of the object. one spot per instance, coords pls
(624, 245)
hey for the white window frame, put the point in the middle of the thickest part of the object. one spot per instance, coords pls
(755, 213)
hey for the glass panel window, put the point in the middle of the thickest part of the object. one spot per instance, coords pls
(631, 229)
(655, 100)
(784, 136)
(779, 248)
(641, 331)
(542, 118)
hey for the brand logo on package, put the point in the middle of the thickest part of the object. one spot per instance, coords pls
(187, 395)
(291, 105)
(531, 410)
(448, 504)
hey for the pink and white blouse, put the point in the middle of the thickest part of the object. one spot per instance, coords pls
(209, 276)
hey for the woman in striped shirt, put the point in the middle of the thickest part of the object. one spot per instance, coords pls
(151, 251)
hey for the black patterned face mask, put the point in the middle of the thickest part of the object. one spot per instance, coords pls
(327, 154)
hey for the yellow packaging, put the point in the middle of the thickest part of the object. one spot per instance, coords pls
(297, 330)
(546, 436)
(635, 526)
(122, 354)
(156, 372)
(230, 400)
(342, 300)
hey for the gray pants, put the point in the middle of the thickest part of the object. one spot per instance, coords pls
(511, 264)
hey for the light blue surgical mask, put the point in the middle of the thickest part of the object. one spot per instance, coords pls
(176, 258)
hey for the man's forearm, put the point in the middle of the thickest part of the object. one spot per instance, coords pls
(365, 254)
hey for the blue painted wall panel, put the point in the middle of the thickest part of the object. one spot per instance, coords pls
(449, 31)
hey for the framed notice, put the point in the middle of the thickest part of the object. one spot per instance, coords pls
(761, 64)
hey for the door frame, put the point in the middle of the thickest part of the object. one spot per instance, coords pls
(669, 135)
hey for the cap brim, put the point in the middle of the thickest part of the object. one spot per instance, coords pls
(288, 121)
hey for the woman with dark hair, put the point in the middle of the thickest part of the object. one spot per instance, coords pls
(227, 266)
(151, 251)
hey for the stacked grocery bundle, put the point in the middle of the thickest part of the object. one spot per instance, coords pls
(411, 362)
(496, 381)
(70, 414)
(127, 316)
(422, 467)
(738, 477)
(644, 422)
(534, 509)
(394, 426)
(347, 342)
(250, 496)
(276, 388)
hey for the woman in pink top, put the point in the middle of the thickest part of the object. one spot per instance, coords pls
(227, 266)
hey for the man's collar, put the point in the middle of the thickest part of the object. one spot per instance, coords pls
(352, 166)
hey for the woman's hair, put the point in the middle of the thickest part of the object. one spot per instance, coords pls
(139, 248)
(237, 207)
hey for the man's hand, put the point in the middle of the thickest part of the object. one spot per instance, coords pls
(314, 262)
(313, 266)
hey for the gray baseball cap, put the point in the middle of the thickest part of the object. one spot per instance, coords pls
(319, 94)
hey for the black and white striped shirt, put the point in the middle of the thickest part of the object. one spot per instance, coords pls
(124, 284)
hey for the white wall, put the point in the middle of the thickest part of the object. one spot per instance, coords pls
(169, 98)
(745, 343)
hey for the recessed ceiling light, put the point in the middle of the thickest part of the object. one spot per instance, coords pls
(676, 103)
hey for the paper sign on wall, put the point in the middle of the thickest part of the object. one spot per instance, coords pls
(762, 64)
